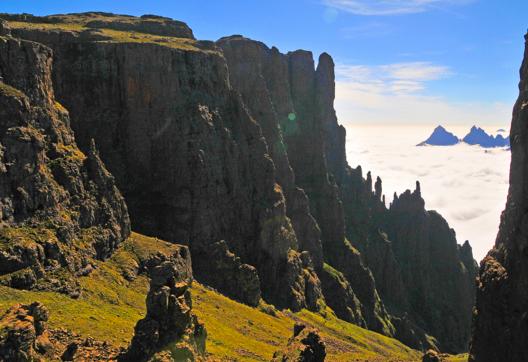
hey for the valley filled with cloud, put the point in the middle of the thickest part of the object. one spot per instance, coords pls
(466, 184)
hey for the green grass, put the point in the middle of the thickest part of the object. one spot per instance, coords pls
(236, 331)
(114, 36)
(110, 306)
(7, 90)
(458, 358)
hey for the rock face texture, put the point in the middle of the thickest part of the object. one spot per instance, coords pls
(306, 345)
(25, 336)
(59, 207)
(170, 323)
(293, 102)
(190, 161)
(500, 319)
(438, 279)
(234, 149)
(23, 333)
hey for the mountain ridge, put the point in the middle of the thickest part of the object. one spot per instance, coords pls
(476, 136)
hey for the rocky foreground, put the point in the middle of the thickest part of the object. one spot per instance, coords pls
(228, 147)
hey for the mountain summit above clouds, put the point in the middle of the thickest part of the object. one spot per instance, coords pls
(476, 136)
(440, 137)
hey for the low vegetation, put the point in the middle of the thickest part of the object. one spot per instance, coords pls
(110, 305)
(114, 36)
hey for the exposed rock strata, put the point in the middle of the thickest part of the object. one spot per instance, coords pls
(500, 318)
(293, 101)
(59, 207)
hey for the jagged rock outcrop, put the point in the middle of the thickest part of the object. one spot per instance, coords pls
(23, 333)
(59, 207)
(341, 297)
(170, 328)
(431, 356)
(439, 285)
(25, 336)
(500, 317)
(261, 77)
(306, 345)
(191, 163)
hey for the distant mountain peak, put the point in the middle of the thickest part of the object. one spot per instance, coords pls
(477, 136)
(440, 137)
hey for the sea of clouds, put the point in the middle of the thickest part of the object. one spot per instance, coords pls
(468, 185)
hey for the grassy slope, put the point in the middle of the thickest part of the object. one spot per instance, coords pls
(110, 306)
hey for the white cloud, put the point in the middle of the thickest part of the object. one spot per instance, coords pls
(390, 7)
(466, 184)
(397, 93)
(398, 78)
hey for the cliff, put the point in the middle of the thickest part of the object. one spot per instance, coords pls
(190, 161)
(438, 275)
(59, 206)
(234, 149)
(293, 101)
(500, 316)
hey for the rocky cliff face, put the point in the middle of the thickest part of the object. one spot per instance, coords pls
(234, 149)
(438, 280)
(190, 161)
(500, 324)
(59, 207)
(294, 103)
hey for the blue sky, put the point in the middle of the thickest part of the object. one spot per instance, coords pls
(398, 61)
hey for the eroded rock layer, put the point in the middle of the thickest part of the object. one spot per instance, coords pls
(500, 318)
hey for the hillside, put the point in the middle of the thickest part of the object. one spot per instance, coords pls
(110, 306)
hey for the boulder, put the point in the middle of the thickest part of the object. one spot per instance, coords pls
(306, 345)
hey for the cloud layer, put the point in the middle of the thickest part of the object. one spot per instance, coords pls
(466, 184)
(390, 7)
